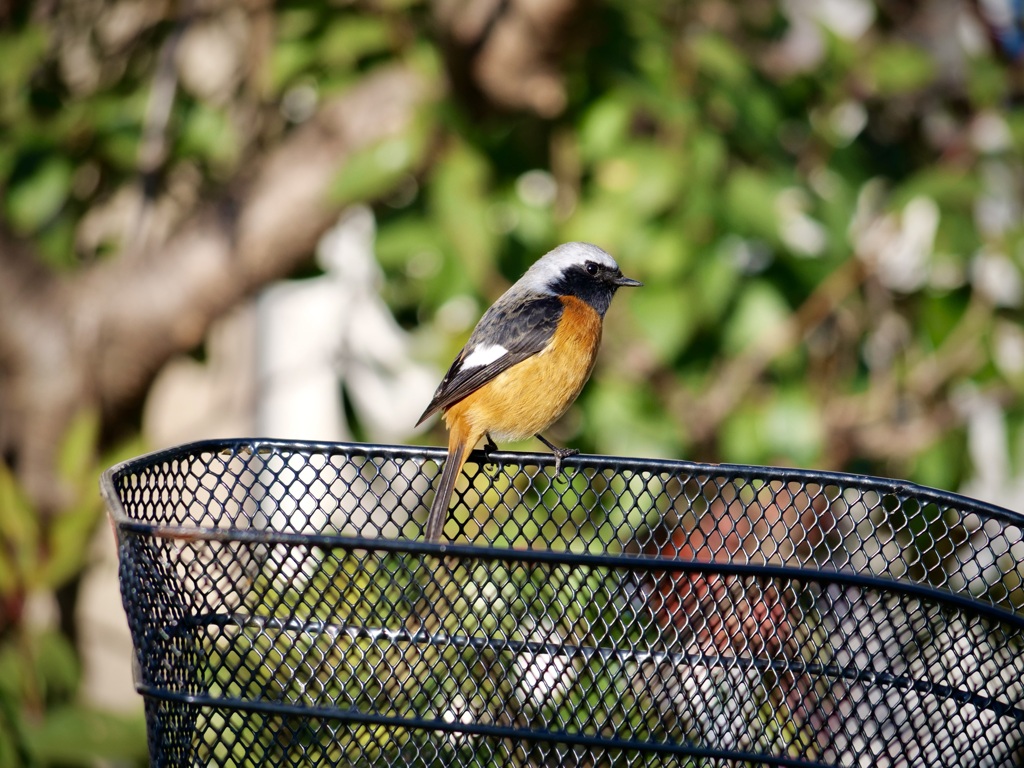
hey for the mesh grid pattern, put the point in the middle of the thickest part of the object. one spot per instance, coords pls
(285, 608)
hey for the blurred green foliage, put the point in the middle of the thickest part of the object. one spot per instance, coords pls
(830, 235)
(811, 223)
(41, 721)
(815, 238)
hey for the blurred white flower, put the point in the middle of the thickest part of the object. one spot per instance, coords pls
(995, 276)
(543, 678)
(803, 46)
(898, 247)
(990, 133)
(848, 119)
(537, 188)
(998, 208)
(801, 233)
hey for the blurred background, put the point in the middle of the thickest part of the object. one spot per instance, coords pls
(245, 218)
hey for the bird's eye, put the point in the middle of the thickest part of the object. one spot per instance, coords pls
(591, 268)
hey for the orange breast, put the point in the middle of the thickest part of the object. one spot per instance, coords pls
(530, 396)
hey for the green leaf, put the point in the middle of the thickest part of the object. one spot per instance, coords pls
(207, 133)
(19, 531)
(57, 668)
(57, 242)
(897, 68)
(988, 82)
(710, 157)
(297, 21)
(760, 312)
(760, 116)
(350, 38)
(74, 736)
(373, 171)
(941, 465)
(23, 52)
(601, 219)
(120, 149)
(458, 199)
(625, 424)
(288, 61)
(663, 254)
(786, 428)
(604, 127)
(750, 203)
(667, 318)
(535, 226)
(645, 177)
(404, 240)
(68, 537)
(949, 186)
(740, 436)
(793, 428)
(76, 457)
(33, 201)
(717, 281)
(719, 59)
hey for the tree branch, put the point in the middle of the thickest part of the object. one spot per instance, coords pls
(99, 338)
(510, 51)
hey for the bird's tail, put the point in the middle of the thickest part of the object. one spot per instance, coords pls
(459, 445)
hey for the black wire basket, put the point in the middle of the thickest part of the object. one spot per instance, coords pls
(285, 610)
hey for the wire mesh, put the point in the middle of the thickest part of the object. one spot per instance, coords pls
(284, 607)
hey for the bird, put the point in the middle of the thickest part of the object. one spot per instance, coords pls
(525, 361)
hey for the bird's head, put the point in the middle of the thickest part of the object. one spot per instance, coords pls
(577, 269)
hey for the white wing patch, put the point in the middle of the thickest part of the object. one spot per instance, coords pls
(485, 354)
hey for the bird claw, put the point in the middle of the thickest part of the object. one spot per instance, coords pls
(562, 453)
(490, 467)
(559, 453)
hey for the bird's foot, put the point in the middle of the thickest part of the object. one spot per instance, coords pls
(559, 453)
(489, 447)
(562, 453)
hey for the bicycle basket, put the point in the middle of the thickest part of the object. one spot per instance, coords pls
(284, 608)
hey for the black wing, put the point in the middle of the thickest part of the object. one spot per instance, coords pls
(524, 328)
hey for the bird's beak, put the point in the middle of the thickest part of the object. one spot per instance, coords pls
(626, 282)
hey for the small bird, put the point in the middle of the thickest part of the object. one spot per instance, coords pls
(526, 361)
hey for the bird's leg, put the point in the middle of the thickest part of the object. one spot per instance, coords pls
(560, 453)
(489, 446)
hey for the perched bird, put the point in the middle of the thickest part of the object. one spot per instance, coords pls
(526, 360)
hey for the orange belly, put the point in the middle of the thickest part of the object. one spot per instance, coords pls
(530, 396)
